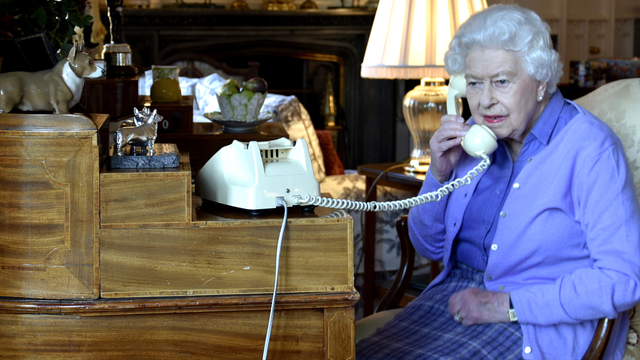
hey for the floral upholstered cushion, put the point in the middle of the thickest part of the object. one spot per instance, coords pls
(351, 186)
(633, 337)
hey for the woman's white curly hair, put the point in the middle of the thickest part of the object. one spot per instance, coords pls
(512, 28)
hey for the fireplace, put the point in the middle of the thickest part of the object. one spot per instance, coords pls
(296, 51)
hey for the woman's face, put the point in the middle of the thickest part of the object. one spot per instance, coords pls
(501, 94)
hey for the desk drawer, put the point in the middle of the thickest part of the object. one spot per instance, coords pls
(227, 257)
(156, 196)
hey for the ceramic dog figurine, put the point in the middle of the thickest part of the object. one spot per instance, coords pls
(57, 89)
(142, 135)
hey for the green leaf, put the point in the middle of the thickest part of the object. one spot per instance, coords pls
(56, 17)
(88, 19)
(40, 16)
(76, 21)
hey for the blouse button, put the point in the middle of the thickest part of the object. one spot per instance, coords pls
(527, 350)
(494, 247)
(503, 214)
(501, 287)
(516, 186)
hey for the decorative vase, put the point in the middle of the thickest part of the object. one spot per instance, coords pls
(166, 84)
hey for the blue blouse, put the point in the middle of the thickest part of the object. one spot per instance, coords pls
(475, 237)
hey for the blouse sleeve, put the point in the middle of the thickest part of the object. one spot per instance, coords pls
(427, 223)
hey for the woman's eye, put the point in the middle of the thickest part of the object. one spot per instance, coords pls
(501, 82)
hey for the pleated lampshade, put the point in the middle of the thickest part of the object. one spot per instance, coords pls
(409, 37)
(408, 41)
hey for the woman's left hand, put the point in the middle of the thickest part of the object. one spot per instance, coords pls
(476, 306)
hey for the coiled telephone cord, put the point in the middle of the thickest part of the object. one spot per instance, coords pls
(437, 195)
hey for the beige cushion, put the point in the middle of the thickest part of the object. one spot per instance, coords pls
(618, 105)
(367, 326)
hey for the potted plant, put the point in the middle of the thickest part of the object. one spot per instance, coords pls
(44, 27)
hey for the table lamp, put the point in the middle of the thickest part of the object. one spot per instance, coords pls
(408, 41)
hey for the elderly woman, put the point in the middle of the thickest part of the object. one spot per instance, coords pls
(541, 245)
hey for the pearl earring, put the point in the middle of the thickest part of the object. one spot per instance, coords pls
(539, 98)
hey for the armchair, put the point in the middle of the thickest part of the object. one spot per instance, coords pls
(617, 104)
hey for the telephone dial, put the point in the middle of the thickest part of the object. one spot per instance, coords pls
(259, 175)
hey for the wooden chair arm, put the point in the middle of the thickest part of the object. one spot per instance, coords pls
(392, 298)
(600, 340)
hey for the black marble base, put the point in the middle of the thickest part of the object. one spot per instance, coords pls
(166, 156)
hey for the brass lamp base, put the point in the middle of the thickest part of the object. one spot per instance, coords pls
(422, 108)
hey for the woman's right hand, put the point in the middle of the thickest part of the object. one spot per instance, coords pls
(445, 146)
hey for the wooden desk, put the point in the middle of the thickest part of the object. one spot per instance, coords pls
(395, 178)
(122, 264)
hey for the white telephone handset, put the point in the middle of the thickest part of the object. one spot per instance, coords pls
(457, 89)
(479, 139)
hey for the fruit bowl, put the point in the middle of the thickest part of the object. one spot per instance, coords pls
(244, 103)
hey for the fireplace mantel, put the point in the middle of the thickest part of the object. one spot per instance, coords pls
(338, 36)
(251, 18)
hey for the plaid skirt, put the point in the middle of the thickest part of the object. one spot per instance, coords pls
(426, 330)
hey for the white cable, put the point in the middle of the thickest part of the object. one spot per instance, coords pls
(279, 202)
(398, 204)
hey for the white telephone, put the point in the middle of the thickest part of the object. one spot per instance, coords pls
(251, 175)
(260, 175)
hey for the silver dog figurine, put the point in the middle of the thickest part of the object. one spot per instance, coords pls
(142, 135)
(137, 119)
(57, 89)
